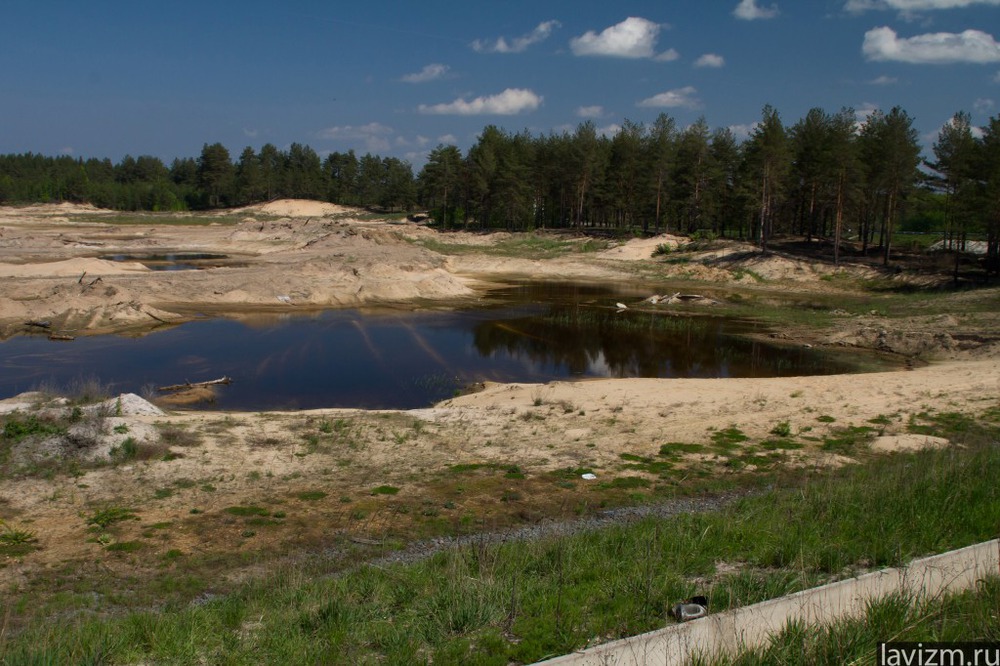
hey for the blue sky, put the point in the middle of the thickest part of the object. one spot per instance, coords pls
(103, 78)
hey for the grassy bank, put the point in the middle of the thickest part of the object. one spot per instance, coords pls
(493, 601)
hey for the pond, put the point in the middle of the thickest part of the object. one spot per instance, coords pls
(407, 359)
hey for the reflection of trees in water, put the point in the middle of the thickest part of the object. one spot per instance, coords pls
(589, 341)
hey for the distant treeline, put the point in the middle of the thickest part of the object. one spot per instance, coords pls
(212, 180)
(828, 175)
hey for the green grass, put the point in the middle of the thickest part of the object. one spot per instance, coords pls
(104, 518)
(311, 495)
(17, 428)
(247, 511)
(528, 246)
(958, 617)
(497, 601)
(166, 219)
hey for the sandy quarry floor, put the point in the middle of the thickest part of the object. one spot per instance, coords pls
(340, 479)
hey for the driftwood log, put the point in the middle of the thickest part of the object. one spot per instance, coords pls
(190, 385)
(679, 298)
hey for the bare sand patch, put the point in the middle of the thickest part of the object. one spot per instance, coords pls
(298, 208)
(72, 268)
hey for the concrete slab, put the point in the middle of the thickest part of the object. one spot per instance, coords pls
(754, 625)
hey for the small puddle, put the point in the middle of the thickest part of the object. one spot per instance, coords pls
(400, 359)
(174, 261)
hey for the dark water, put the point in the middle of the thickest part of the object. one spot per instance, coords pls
(412, 359)
(173, 261)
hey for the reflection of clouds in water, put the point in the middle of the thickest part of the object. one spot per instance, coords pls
(598, 366)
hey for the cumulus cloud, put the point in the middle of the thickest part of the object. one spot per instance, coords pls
(677, 98)
(448, 139)
(710, 60)
(590, 111)
(910, 6)
(970, 46)
(748, 10)
(510, 102)
(518, 44)
(417, 141)
(883, 81)
(932, 137)
(862, 113)
(375, 136)
(431, 72)
(632, 38)
(667, 56)
(983, 105)
(743, 131)
(609, 131)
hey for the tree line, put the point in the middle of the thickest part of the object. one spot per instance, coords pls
(825, 176)
(212, 180)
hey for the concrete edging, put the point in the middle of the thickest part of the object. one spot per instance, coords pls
(752, 626)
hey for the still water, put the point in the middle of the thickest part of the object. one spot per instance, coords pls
(404, 359)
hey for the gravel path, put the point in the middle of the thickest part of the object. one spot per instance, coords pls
(421, 550)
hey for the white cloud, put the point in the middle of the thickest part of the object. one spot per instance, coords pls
(909, 6)
(971, 46)
(250, 133)
(609, 131)
(448, 139)
(932, 137)
(374, 135)
(884, 81)
(667, 56)
(743, 131)
(511, 101)
(677, 98)
(983, 105)
(710, 60)
(632, 38)
(866, 109)
(430, 72)
(416, 142)
(518, 44)
(863, 113)
(590, 111)
(66, 150)
(749, 11)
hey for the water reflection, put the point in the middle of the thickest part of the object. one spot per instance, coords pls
(411, 359)
(598, 342)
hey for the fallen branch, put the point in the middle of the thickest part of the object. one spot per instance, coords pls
(39, 324)
(164, 321)
(189, 385)
(60, 336)
(679, 298)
